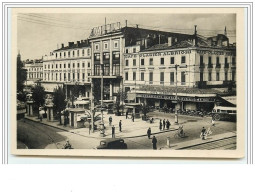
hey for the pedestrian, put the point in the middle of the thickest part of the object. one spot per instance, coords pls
(164, 124)
(133, 117)
(110, 120)
(213, 123)
(113, 131)
(203, 132)
(160, 125)
(149, 133)
(126, 114)
(120, 124)
(154, 143)
(167, 124)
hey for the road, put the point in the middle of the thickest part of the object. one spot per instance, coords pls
(38, 136)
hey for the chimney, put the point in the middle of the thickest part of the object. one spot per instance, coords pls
(137, 26)
(78, 42)
(62, 45)
(170, 41)
(70, 44)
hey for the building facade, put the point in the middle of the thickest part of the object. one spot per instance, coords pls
(34, 71)
(68, 66)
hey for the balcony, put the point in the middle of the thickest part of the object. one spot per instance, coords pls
(218, 65)
(226, 65)
(210, 65)
(202, 65)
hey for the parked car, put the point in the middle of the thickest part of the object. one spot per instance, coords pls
(112, 143)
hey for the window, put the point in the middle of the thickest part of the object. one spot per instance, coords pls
(97, 57)
(134, 62)
(171, 78)
(217, 76)
(83, 76)
(134, 50)
(60, 66)
(68, 76)
(162, 74)
(106, 46)
(83, 65)
(233, 75)
(88, 64)
(126, 50)
(134, 76)
(64, 76)
(151, 61)
(68, 65)
(162, 61)
(233, 61)
(142, 76)
(56, 76)
(73, 53)
(209, 62)
(52, 66)
(60, 76)
(56, 55)
(209, 76)
(172, 60)
(73, 65)
(78, 53)
(201, 61)
(151, 78)
(183, 78)
(64, 65)
(78, 76)
(142, 62)
(88, 76)
(78, 65)
(126, 76)
(45, 66)
(60, 54)
(183, 59)
(88, 52)
(116, 45)
(217, 61)
(126, 62)
(73, 76)
(48, 66)
(226, 76)
(56, 66)
(69, 54)
(97, 47)
(64, 54)
(83, 52)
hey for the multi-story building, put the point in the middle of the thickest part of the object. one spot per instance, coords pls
(68, 66)
(156, 67)
(34, 71)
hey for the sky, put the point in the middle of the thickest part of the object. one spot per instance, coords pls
(38, 34)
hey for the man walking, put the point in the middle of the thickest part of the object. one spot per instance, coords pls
(133, 117)
(149, 133)
(127, 114)
(160, 125)
(120, 124)
(167, 124)
(113, 131)
(164, 124)
(110, 120)
(203, 132)
(154, 143)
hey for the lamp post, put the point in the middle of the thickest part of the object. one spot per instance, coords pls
(102, 114)
(176, 88)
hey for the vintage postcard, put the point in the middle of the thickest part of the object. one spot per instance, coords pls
(128, 82)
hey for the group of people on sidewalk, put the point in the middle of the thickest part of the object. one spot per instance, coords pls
(164, 125)
(205, 133)
(113, 127)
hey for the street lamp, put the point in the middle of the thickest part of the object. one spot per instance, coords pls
(176, 97)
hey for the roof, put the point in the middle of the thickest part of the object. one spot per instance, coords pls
(74, 46)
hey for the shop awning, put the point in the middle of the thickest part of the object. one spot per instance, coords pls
(230, 99)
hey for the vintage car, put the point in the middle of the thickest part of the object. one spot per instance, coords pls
(112, 143)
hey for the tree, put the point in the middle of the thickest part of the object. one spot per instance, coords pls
(120, 98)
(145, 109)
(74, 93)
(93, 116)
(38, 96)
(21, 77)
(59, 101)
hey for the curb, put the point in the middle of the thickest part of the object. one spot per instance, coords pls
(94, 136)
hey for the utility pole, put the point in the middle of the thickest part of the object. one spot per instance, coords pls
(102, 113)
(176, 89)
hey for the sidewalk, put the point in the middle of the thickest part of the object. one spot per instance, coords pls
(138, 128)
(195, 142)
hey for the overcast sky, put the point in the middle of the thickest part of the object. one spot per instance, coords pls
(39, 34)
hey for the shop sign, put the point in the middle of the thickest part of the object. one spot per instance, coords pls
(180, 98)
(215, 52)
